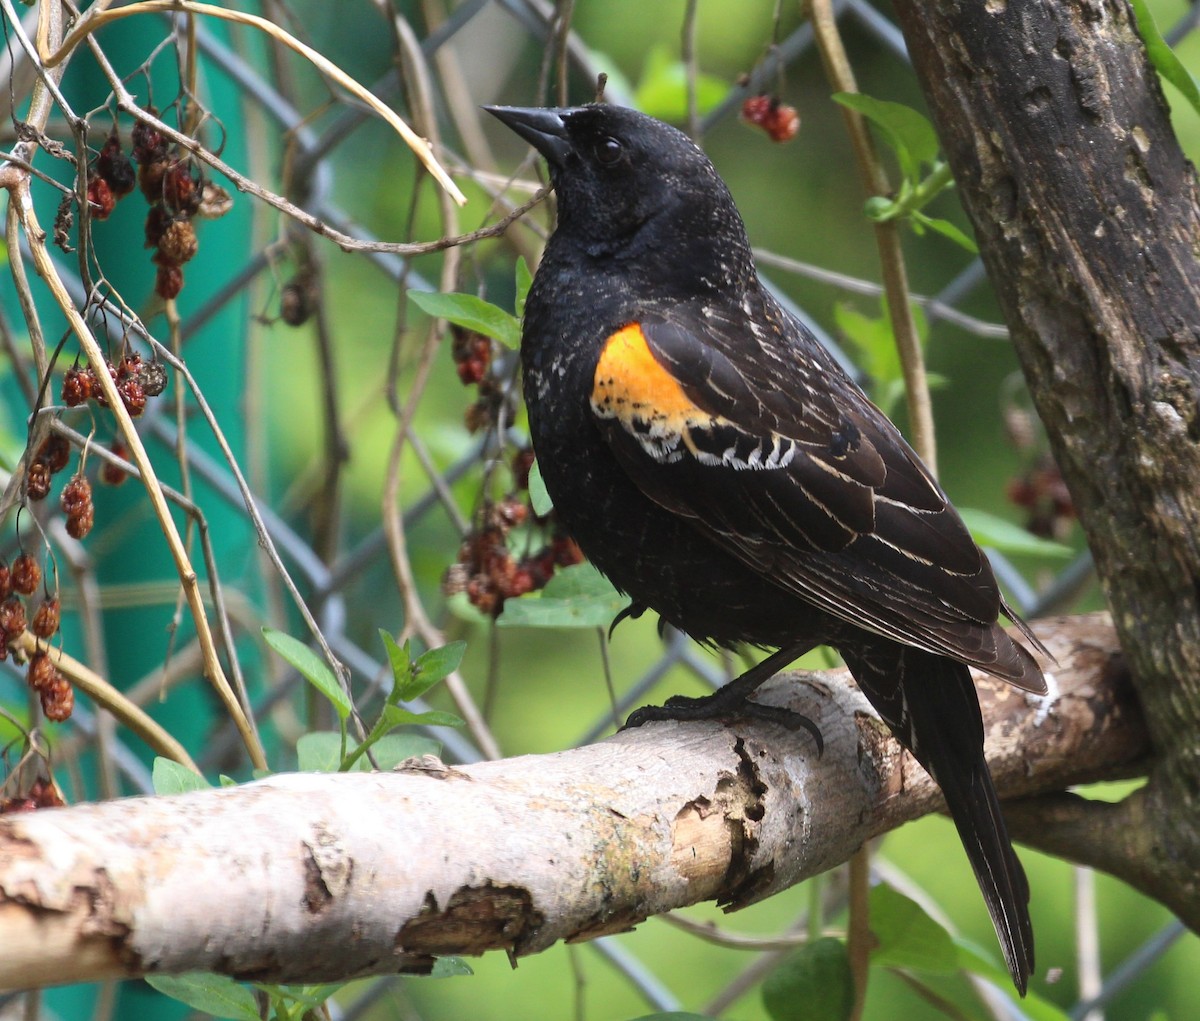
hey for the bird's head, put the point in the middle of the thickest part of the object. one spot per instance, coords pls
(627, 182)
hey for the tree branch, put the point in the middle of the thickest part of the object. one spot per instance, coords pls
(326, 877)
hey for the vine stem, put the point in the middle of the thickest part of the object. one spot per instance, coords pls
(887, 236)
(90, 22)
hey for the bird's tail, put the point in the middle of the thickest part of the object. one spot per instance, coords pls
(930, 704)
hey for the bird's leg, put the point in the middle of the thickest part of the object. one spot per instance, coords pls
(733, 699)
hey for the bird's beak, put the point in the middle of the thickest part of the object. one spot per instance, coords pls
(543, 128)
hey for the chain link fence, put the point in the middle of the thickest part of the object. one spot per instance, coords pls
(302, 383)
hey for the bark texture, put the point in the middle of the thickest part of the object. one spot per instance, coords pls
(1088, 219)
(318, 877)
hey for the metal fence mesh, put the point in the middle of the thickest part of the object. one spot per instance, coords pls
(316, 149)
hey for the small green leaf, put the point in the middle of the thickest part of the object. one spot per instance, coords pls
(169, 777)
(314, 669)
(450, 967)
(662, 91)
(906, 937)
(990, 530)
(217, 995)
(1163, 57)
(524, 280)
(577, 596)
(400, 659)
(538, 496)
(906, 130)
(948, 230)
(319, 751)
(393, 716)
(471, 313)
(812, 984)
(435, 665)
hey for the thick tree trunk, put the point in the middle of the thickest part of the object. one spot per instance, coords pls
(1088, 220)
(311, 878)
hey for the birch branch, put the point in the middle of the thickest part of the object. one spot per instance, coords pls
(327, 877)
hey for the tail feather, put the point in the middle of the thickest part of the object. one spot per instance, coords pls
(930, 704)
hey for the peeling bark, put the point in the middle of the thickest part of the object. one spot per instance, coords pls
(317, 877)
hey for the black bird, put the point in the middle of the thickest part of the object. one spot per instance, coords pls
(712, 459)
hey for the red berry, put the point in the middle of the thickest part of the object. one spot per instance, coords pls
(169, 282)
(12, 619)
(180, 189)
(178, 244)
(37, 479)
(25, 574)
(76, 496)
(46, 619)
(115, 168)
(77, 386)
(55, 451)
(133, 396)
(113, 474)
(755, 109)
(58, 700)
(79, 525)
(150, 179)
(783, 123)
(149, 144)
(100, 198)
(41, 673)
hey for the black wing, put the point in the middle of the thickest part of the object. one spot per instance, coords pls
(740, 421)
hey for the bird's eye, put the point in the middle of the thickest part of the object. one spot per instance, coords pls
(608, 151)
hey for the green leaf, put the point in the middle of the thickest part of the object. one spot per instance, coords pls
(319, 751)
(873, 341)
(1163, 57)
(538, 496)
(169, 777)
(393, 716)
(948, 230)
(906, 937)
(400, 659)
(471, 313)
(450, 967)
(314, 669)
(524, 280)
(971, 958)
(906, 130)
(662, 92)
(990, 530)
(217, 995)
(435, 665)
(577, 596)
(812, 984)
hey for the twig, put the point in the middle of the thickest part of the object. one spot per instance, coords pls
(887, 237)
(96, 18)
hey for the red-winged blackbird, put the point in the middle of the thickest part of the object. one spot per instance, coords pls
(711, 458)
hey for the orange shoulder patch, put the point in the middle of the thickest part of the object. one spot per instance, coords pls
(630, 383)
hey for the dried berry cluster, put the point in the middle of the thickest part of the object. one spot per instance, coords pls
(136, 380)
(42, 793)
(173, 186)
(779, 120)
(1039, 488)
(473, 360)
(110, 177)
(488, 571)
(76, 496)
(18, 583)
(174, 189)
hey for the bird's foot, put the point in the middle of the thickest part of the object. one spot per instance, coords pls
(723, 703)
